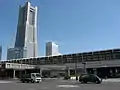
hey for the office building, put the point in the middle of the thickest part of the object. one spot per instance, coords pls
(52, 49)
(26, 36)
(15, 53)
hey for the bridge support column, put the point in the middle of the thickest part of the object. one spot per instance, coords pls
(95, 71)
(14, 74)
(25, 72)
(68, 71)
(41, 71)
(20, 73)
(116, 70)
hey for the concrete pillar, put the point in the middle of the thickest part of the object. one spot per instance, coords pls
(20, 73)
(68, 71)
(84, 67)
(90, 71)
(41, 71)
(116, 71)
(95, 71)
(14, 76)
(25, 72)
(111, 71)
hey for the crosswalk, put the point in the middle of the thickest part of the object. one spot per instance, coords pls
(67, 86)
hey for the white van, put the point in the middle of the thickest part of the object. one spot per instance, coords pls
(32, 77)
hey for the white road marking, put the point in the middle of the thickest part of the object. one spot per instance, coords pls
(6, 81)
(111, 80)
(67, 86)
(45, 88)
(31, 89)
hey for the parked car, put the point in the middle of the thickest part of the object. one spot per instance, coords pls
(66, 77)
(90, 78)
(32, 77)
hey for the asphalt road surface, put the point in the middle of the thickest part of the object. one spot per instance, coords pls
(58, 85)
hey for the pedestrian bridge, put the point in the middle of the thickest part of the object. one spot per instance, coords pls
(91, 64)
(26, 66)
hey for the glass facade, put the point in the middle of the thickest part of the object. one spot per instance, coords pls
(16, 53)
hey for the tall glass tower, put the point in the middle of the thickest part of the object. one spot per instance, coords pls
(26, 36)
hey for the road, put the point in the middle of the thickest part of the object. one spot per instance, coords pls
(58, 85)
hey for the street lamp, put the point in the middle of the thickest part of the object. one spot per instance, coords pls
(84, 65)
(68, 72)
(76, 67)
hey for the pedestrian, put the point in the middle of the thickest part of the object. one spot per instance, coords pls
(76, 78)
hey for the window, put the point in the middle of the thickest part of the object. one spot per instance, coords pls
(101, 58)
(8, 65)
(95, 57)
(38, 75)
(59, 59)
(108, 57)
(55, 60)
(117, 56)
(89, 58)
(26, 76)
(31, 17)
(33, 75)
(70, 60)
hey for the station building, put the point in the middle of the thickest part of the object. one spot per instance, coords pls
(105, 63)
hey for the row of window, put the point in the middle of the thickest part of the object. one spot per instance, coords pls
(72, 59)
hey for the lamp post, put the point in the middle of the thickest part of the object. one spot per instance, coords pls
(76, 61)
(76, 67)
(68, 71)
(68, 68)
(84, 65)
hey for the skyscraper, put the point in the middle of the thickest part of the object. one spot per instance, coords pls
(52, 49)
(26, 36)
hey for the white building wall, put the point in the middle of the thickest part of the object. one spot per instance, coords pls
(31, 33)
(52, 49)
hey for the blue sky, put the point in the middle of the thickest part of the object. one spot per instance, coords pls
(75, 25)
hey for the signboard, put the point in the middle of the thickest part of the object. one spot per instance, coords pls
(18, 66)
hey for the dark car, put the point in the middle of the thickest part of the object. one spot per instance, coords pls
(66, 77)
(90, 78)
